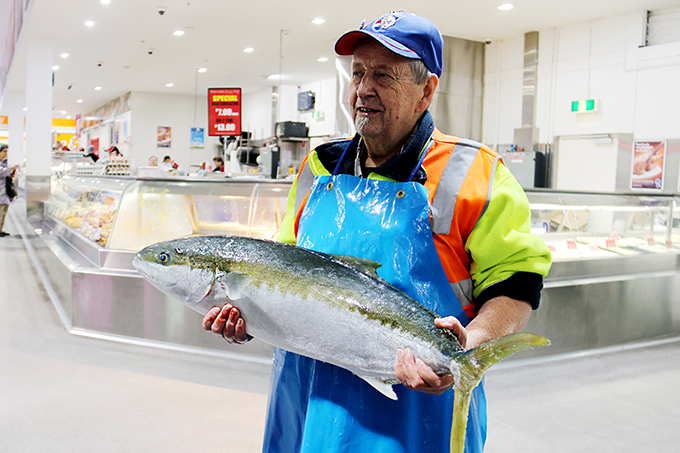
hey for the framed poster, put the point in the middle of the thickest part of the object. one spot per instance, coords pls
(649, 165)
(197, 137)
(224, 111)
(164, 137)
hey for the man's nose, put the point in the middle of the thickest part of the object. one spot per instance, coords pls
(366, 86)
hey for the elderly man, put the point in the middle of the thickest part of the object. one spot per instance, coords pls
(448, 223)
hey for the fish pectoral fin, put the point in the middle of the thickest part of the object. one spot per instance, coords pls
(235, 284)
(383, 387)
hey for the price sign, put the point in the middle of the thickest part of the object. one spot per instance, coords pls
(224, 111)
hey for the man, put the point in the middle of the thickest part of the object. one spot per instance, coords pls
(444, 217)
(5, 171)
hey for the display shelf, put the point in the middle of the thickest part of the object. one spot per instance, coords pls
(588, 225)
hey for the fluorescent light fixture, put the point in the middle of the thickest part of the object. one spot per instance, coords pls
(322, 59)
(505, 6)
(97, 88)
(79, 101)
(248, 49)
(64, 55)
(202, 69)
(169, 85)
(55, 68)
(318, 21)
(178, 32)
(89, 23)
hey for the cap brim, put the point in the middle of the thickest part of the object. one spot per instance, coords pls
(347, 42)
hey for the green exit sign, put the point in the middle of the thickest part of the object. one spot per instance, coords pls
(584, 105)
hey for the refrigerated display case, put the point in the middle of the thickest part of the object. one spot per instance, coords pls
(615, 271)
(614, 276)
(93, 226)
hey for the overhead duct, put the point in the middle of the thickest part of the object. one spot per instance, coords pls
(526, 137)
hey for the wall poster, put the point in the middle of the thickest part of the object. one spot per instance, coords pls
(197, 137)
(649, 165)
(164, 137)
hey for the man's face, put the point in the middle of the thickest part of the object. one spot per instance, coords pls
(3, 154)
(384, 98)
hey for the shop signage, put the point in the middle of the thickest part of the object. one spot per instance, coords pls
(224, 111)
(649, 165)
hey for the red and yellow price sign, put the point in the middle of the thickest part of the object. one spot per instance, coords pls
(224, 111)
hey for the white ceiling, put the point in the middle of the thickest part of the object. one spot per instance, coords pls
(217, 31)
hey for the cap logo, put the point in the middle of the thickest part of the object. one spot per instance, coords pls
(384, 23)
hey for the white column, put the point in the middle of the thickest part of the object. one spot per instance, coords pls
(38, 118)
(13, 105)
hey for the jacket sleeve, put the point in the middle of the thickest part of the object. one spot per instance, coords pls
(507, 260)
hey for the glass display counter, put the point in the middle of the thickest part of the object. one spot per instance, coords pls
(585, 225)
(129, 214)
(614, 276)
(615, 271)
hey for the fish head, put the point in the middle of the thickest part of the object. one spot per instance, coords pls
(180, 268)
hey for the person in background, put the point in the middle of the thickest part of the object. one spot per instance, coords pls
(219, 164)
(113, 151)
(153, 161)
(452, 225)
(171, 164)
(5, 171)
(90, 154)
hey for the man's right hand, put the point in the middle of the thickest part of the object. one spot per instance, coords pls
(226, 322)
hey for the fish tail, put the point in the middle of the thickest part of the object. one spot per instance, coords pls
(469, 371)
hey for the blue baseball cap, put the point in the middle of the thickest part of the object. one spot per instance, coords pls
(403, 33)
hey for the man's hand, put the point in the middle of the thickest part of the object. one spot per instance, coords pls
(416, 375)
(226, 322)
(497, 317)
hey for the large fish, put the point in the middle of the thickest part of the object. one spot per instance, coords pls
(332, 308)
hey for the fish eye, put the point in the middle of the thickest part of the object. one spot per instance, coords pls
(163, 257)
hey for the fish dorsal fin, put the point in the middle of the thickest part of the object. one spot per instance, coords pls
(366, 266)
(235, 284)
(383, 387)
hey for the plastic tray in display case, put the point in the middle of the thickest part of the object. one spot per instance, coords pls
(587, 225)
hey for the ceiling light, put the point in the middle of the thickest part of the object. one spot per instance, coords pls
(202, 69)
(89, 23)
(25, 109)
(105, 2)
(322, 59)
(97, 88)
(505, 6)
(63, 112)
(178, 32)
(169, 84)
(318, 21)
(55, 68)
(68, 117)
(64, 55)
(274, 77)
(79, 101)
(248, 49)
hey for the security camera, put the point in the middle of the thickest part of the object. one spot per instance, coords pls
(150, 51)
(487, 41)
(69, 87)
(161, 10)
(100, 63)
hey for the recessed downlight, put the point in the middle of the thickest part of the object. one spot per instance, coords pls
(505, 6)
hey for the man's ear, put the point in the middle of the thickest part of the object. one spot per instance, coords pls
(428, 92)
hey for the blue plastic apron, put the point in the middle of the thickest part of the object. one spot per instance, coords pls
(317, 407)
